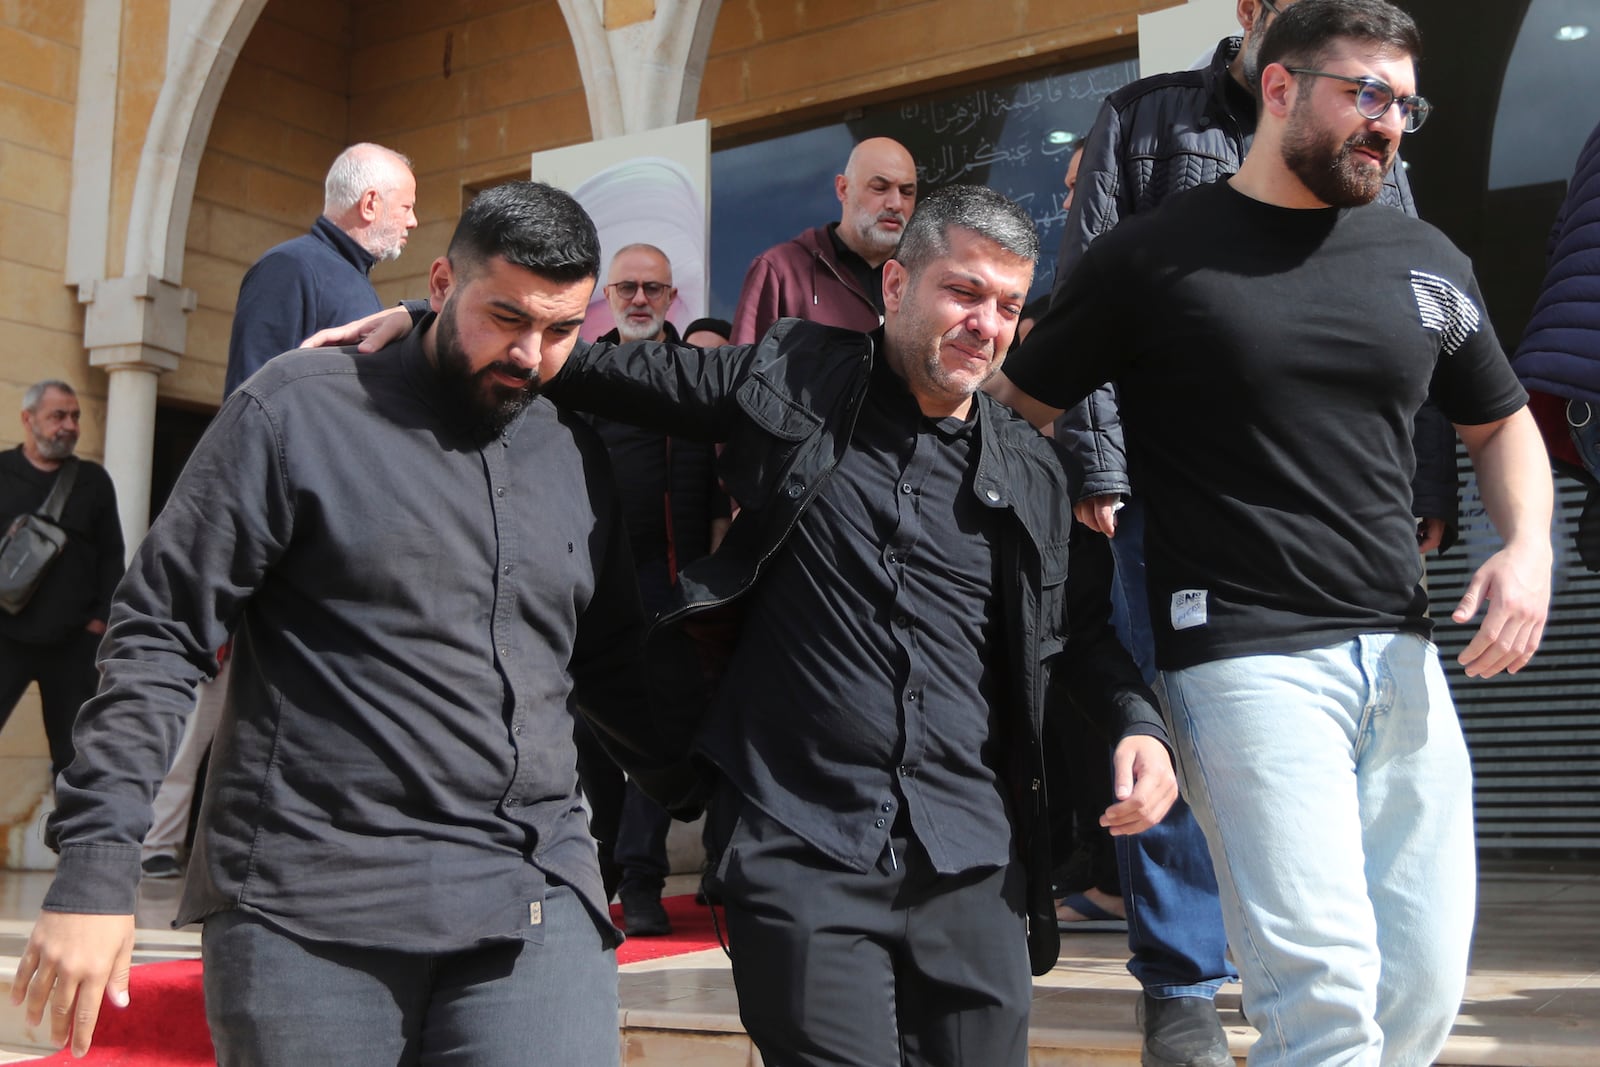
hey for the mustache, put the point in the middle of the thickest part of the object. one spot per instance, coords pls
(510, 370)
(1371, 140)
(891, 216)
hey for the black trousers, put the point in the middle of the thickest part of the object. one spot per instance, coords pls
(899, 965)
(67, 677)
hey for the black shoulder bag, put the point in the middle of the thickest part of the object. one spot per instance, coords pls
(33, 542)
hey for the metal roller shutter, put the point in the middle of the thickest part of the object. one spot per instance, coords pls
(1534, 736)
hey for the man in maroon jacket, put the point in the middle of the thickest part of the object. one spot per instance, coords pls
(833, 274)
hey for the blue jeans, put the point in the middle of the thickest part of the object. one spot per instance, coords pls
(1334, 788)
(1175, 930)
(273, 999)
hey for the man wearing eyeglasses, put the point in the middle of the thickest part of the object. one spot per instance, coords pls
(1152, 139)
(675, 513)
(1272, 336)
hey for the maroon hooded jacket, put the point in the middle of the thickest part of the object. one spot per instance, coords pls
(801, 278)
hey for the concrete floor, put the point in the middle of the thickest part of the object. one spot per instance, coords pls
(1533, 999)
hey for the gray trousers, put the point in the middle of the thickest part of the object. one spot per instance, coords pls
(273, 1000)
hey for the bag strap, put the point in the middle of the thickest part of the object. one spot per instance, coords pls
(57, 500)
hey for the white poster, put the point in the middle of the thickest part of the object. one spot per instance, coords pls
(646, 188)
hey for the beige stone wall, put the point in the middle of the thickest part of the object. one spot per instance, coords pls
(773, 62)
(41, 324)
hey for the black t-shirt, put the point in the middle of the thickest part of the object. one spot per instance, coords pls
(1270, 361)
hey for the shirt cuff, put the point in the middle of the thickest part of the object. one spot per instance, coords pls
(101, 879)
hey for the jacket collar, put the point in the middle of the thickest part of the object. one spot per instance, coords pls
(1220, 85)
(343, 244)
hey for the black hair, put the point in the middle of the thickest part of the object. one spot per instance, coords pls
(720, 327)
(531, 225)
(971, 207)
(1307, 32)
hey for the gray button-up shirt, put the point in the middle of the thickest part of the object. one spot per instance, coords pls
(415, 615)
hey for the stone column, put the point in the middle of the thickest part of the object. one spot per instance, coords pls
(134, 329)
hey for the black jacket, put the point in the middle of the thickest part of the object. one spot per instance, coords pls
(786, 409)
(1155, 137)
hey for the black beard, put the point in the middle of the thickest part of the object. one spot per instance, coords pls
(475, 407)
(1330, 174)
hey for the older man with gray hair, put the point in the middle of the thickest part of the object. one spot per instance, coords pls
(51, 639)
(320, 279)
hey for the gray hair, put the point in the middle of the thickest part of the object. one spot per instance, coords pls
(36, 391)
(359, 168)
(971, 207)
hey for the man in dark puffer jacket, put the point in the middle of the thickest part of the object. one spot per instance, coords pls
(1559, 360)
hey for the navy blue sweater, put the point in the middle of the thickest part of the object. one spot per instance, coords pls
(294, 290)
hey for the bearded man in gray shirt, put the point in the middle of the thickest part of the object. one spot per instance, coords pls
(426, 569)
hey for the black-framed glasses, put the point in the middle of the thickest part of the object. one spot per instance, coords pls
(1270, 6)
(1374, 98)
(653, 291)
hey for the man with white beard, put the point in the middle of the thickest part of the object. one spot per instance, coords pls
(675, 513)
(320, 278)
(833, 274)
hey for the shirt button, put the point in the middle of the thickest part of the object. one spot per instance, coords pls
(902, 621)
(905, 772)
(911, 696)
(905, 487)
(879, 824)
(499, 490)
(506, 569)
(993, 495)
(513, 802)
(887, 806)
(794, 490)
(504, 652)
(516, 728)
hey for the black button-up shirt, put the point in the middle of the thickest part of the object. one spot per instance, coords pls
(416, 615)
(863, 679)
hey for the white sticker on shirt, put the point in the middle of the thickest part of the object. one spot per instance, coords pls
(535, 913)
(1188, 609)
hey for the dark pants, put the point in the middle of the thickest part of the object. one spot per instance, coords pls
(273, 999)
(895, 966)
(67, 677)
(641, 847)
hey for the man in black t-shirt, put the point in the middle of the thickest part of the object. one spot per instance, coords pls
(1272, 336)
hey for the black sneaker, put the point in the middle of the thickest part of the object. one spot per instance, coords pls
(1182, 1032)
(643, 915)
(161, 865)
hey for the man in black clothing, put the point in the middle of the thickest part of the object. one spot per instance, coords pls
(53, 639)
(320, 278)
(1272, 337)
(675, 514)
(883, 615)
(427, 571)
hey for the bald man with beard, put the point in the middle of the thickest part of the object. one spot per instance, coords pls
(833, 274)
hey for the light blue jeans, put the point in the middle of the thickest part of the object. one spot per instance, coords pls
(1336, 798)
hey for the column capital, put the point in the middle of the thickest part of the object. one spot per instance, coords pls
(139, 321)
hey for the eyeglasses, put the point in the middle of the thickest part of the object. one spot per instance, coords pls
(1270, 6)
(653, 291)
(1375, 98)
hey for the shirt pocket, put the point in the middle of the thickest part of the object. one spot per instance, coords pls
(757, 465)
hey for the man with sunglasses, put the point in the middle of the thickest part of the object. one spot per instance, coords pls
(1272, 337)
(1152, 139)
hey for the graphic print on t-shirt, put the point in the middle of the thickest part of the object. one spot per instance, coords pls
(1445, 309)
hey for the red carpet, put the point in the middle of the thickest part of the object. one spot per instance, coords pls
(691, 932)
(165, 1025)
